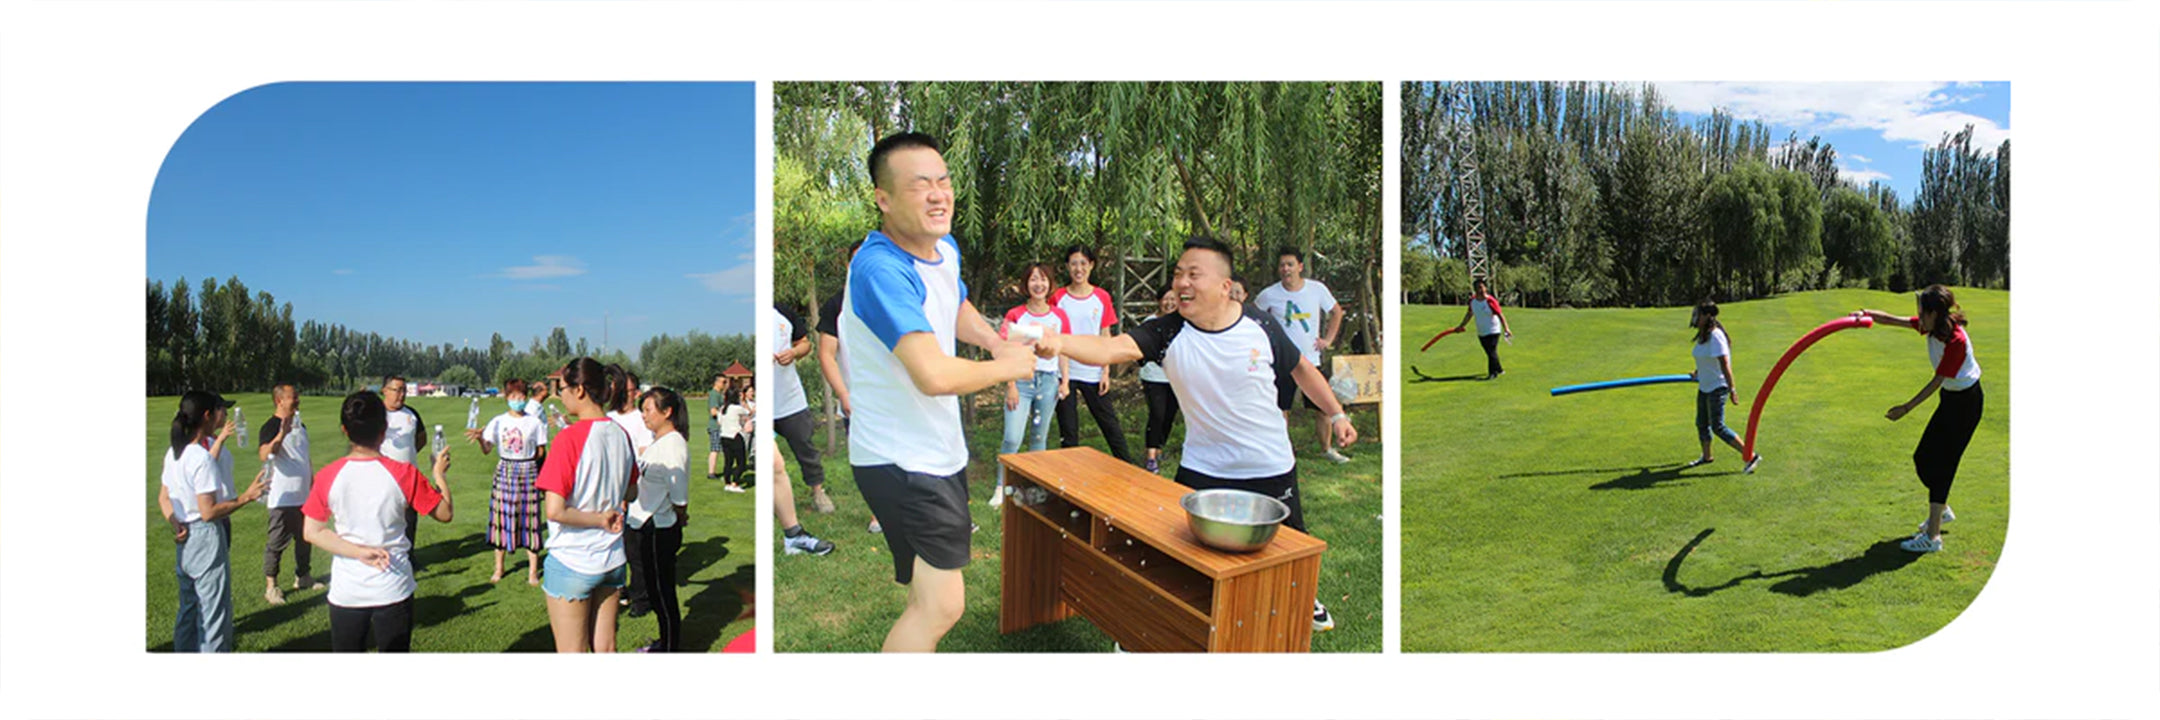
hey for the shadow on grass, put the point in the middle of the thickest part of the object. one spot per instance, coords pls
(296, 605)
(1646, 477)
(434, 609)
(428, 562)
(695, 557)
(723, 601)
(1424, 378)
(1881, 557)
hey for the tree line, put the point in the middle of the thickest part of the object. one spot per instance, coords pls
(219, 336)
(1130, 169)
(1597, 194)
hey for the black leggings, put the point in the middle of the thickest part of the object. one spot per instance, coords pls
(1161, 411)
(1942, 445)
(389, 626)
(656, 550)
(738, 458)
(1492, 352)
(1068, 419)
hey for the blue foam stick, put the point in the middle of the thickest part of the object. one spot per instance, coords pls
(1629, 382)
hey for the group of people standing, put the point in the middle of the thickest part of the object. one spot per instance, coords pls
(889, 353)
(611, 487)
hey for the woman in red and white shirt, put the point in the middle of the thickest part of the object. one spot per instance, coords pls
(1089, 310)
(1957, 414)
(1492, 325)
(369, 497)
(590, 473)
(1037, 395)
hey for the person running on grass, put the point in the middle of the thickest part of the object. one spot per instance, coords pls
(1957, 413)
(1090, 311)
(1030, 402)
(196, 498)
(284, 448)
(1161, 401)
(1297, 302)
(520, 437)
(1230, 367)
(906, 309)
(661, 507)
(1714, 386)
(1491, 325)
(590, 473)
(792, 418)
(368, 496)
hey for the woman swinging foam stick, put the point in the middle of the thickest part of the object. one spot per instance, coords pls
(1957, 414)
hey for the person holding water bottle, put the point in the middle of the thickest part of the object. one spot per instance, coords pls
(198, 502)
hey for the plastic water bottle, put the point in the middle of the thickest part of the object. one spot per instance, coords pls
(440, 448)
(472, 417)
(240, 424)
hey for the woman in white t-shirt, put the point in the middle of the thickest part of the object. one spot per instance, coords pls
(661, 507)
(370, 497)
(1162, 406)
(519, 437)
(197, 500)
(1957, 414)
(1036, 396)
(733, 441)
(1714, 386)
(590, 473)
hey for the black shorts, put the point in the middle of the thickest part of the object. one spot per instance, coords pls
(923, 515)
(1282, 487)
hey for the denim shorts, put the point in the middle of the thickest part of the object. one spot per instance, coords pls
(563, 583)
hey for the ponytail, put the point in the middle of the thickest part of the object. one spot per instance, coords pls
(1939, 300)
(182, 432)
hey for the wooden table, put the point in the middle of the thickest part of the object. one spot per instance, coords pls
(1108, 541)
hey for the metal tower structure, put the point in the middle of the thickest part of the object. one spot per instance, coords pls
(1466, 180)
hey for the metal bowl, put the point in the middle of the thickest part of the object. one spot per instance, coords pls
(1233, 520)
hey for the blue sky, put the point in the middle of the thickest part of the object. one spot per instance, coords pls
(444, 212)
(1878, 128)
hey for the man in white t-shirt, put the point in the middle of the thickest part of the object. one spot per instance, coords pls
(285, 451)
(1297, 304)
(403, 441)
(1232, 369)
(905, 309)
(792, 418)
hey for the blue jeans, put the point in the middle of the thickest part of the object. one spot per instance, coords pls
(1710, 415)
(202, 569)
(1038, 397)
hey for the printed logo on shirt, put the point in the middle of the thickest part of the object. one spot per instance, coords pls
(1291, 314)
(1253, 365)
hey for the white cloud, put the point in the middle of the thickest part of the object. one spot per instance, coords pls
(1914, 114)
(545, 267)
(1862, 176)
(738, 280)
(1856, 157)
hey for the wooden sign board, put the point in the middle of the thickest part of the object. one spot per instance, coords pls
(1366, 370)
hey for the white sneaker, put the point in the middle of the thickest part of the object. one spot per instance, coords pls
(1750, 469)
(997, 496)
(1947, 517)
(732, 488)
(874, 528)
(807, 544)
(1339, 458)
(1921, 543)
(1321, 620)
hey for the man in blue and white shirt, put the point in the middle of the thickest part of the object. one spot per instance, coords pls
(905, 309)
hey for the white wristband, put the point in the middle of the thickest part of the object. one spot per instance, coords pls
(1339, 417)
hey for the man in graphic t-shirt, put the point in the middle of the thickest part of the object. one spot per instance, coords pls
(1298, 303)
(905, 309)
(1232, 369)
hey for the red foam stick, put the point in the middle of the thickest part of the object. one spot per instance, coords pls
(1769, 382)
(1436, 338)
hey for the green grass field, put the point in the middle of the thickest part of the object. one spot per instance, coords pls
(846, 601)
(1538, 524)
(457, 609)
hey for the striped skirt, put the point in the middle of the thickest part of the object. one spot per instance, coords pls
(514, 508)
